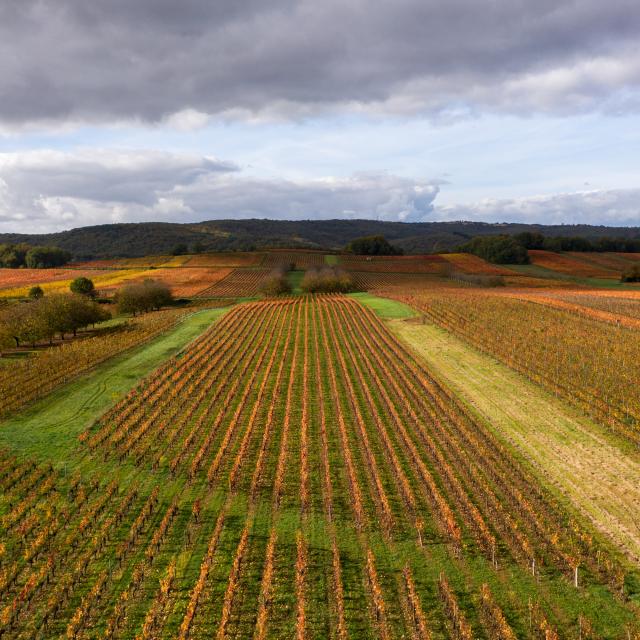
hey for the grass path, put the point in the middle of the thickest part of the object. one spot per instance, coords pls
(569, 451)
(384, 307)
(48, 428)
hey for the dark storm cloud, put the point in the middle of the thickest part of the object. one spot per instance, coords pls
(72, 60)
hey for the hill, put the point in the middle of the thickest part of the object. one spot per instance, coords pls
(145, 238)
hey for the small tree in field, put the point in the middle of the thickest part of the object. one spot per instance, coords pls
(142, 297)
(35, 293)
(83, 286)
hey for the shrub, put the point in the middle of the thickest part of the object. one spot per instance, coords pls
(327, 280)
(632, 274)
(83, 286)
(276, 283)
(35, 293)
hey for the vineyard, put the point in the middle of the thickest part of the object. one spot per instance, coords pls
(433, 264)
(583, 265)
(616, 262)
(615, 305)
(299, 259)
(238, 284)
(234, 259)
(470, 264)
(591, 363)
(221, 498)
(370, 281)
(183, 282)
(25, 380)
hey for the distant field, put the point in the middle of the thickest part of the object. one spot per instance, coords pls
(17, 282)
(433, 264)
(183, 283)
(299, 259)
(233, 259)
(585, 264)
(467, 263)
(371, 281)
(238, 283)
(199, 275)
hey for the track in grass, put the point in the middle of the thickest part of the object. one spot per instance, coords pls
(295, 473)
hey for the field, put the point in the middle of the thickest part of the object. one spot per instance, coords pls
(299, 259)
(235, 259)
(563, 445)
(433, 264)
(584, 264)
(584, 359)
(450, 461)
(251, 508)
(17, 282)
(239, 283)
(183, 282)
(467, 263)
(24, 380)
(616, 303)
(370, 281)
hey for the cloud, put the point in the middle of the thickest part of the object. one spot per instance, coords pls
(171, 62)
(45, 190)
(614, 207)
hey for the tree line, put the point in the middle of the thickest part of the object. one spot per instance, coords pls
(44, 318)
(373, 246)
(507, 249)
(533, 240)
(15, 256)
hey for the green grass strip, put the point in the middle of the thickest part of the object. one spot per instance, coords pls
(385, 308)
(48, 429)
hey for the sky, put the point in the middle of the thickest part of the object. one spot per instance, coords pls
(409, 110)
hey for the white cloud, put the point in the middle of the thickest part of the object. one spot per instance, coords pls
(614, 207)
(187, 120)
(44, 190)
(55, 190)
